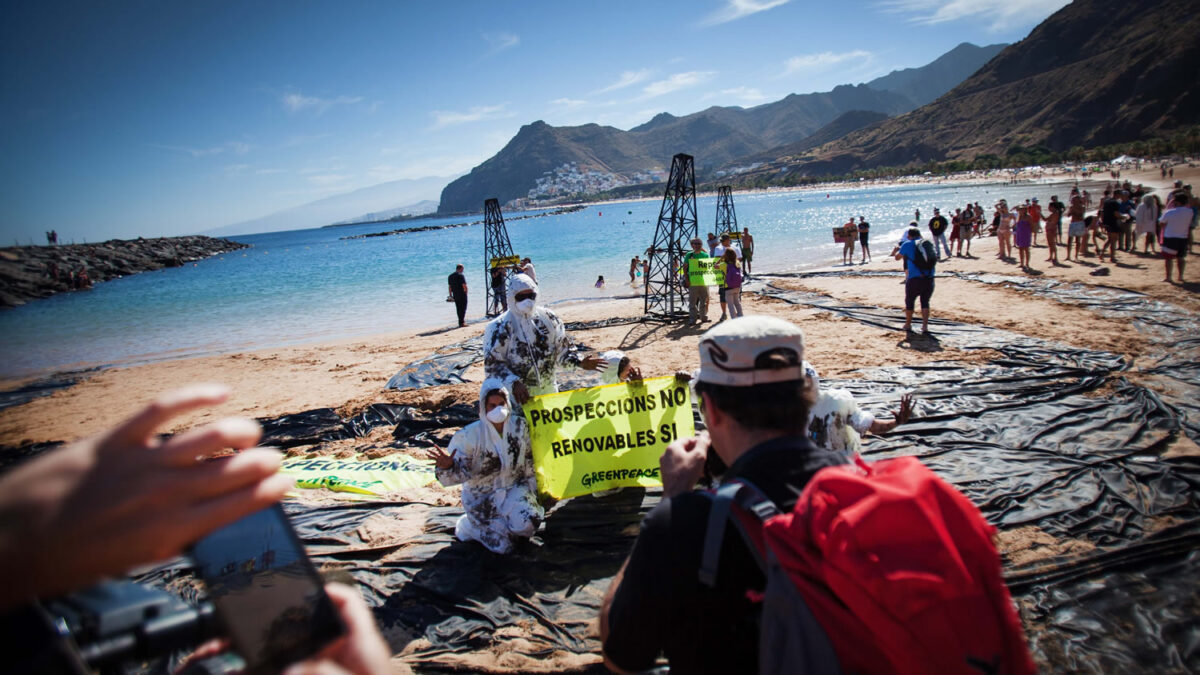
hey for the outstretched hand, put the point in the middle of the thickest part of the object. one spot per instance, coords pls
(520, 392)
(593, 362)
(906, 408)
(441, 458)
(102, 505)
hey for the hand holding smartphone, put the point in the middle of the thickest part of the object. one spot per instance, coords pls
(268, 595)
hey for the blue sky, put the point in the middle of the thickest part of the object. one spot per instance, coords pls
(168, 117)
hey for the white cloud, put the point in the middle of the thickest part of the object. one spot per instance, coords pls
(822, 61)
(501, 41)
(568, 102)
(676, 82)
(297, 102)
(445, 118)
(743, 94)
(627, 79)
(425, 166)
(736, 9)
(998, 15)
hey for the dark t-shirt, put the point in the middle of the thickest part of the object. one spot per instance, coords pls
(458, 285)
(661, 606)
(1108, 214)
(937, 225)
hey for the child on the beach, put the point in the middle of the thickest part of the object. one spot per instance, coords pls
(600, 282)
(1023, 235)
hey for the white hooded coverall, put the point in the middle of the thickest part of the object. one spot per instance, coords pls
(527, 344)
(499, 486)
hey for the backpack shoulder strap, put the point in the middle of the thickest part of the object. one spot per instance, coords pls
(756, 509)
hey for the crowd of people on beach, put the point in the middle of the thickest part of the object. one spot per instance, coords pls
(1125, 217)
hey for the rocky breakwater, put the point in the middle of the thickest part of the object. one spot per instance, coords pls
(31, 272)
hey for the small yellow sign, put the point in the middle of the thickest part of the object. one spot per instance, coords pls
(598, 438)
(505, 262)
(706, 272)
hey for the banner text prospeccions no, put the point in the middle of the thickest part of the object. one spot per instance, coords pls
(603, 437)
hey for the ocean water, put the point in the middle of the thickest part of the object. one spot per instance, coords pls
(314, 285)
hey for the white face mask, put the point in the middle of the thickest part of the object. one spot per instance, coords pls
(525, 307)
(498, 414)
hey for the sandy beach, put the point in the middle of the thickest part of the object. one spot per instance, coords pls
(348, 375)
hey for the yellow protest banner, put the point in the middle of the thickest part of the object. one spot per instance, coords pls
(706, 272)
(733, 234)
(505, 262)
(360, 477)
(593, 439)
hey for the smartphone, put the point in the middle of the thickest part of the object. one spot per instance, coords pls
(268, 595)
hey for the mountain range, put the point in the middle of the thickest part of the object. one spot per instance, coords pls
(1095, 73)
(543, 157)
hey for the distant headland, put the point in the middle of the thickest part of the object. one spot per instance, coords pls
(32, 272)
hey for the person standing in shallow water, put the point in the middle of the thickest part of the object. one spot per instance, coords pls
(458, 292)
(747, 250)
(864, 234)
(849, 237)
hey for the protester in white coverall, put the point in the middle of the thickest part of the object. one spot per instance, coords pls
(525, 345)
(491, 458)
(618, 368)
(835, 422)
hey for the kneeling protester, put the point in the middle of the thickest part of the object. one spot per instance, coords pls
(492, 461)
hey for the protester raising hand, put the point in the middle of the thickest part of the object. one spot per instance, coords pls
(441, 458)
(103, 505)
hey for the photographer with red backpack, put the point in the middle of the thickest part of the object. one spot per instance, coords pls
(800, 563)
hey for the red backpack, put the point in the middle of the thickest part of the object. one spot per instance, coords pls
(883, 568)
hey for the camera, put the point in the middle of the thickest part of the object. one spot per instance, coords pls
(113, 627)
(266, 598)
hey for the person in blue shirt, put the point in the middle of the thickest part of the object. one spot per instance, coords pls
(918, 283)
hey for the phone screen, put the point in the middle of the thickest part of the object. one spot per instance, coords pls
(266, 591)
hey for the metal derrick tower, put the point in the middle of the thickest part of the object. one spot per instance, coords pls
(726, 216)
(497, 252)
(666, 296)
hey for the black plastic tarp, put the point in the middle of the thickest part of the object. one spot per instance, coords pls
(1045, 437)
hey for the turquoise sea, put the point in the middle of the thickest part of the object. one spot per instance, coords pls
(314, 285)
